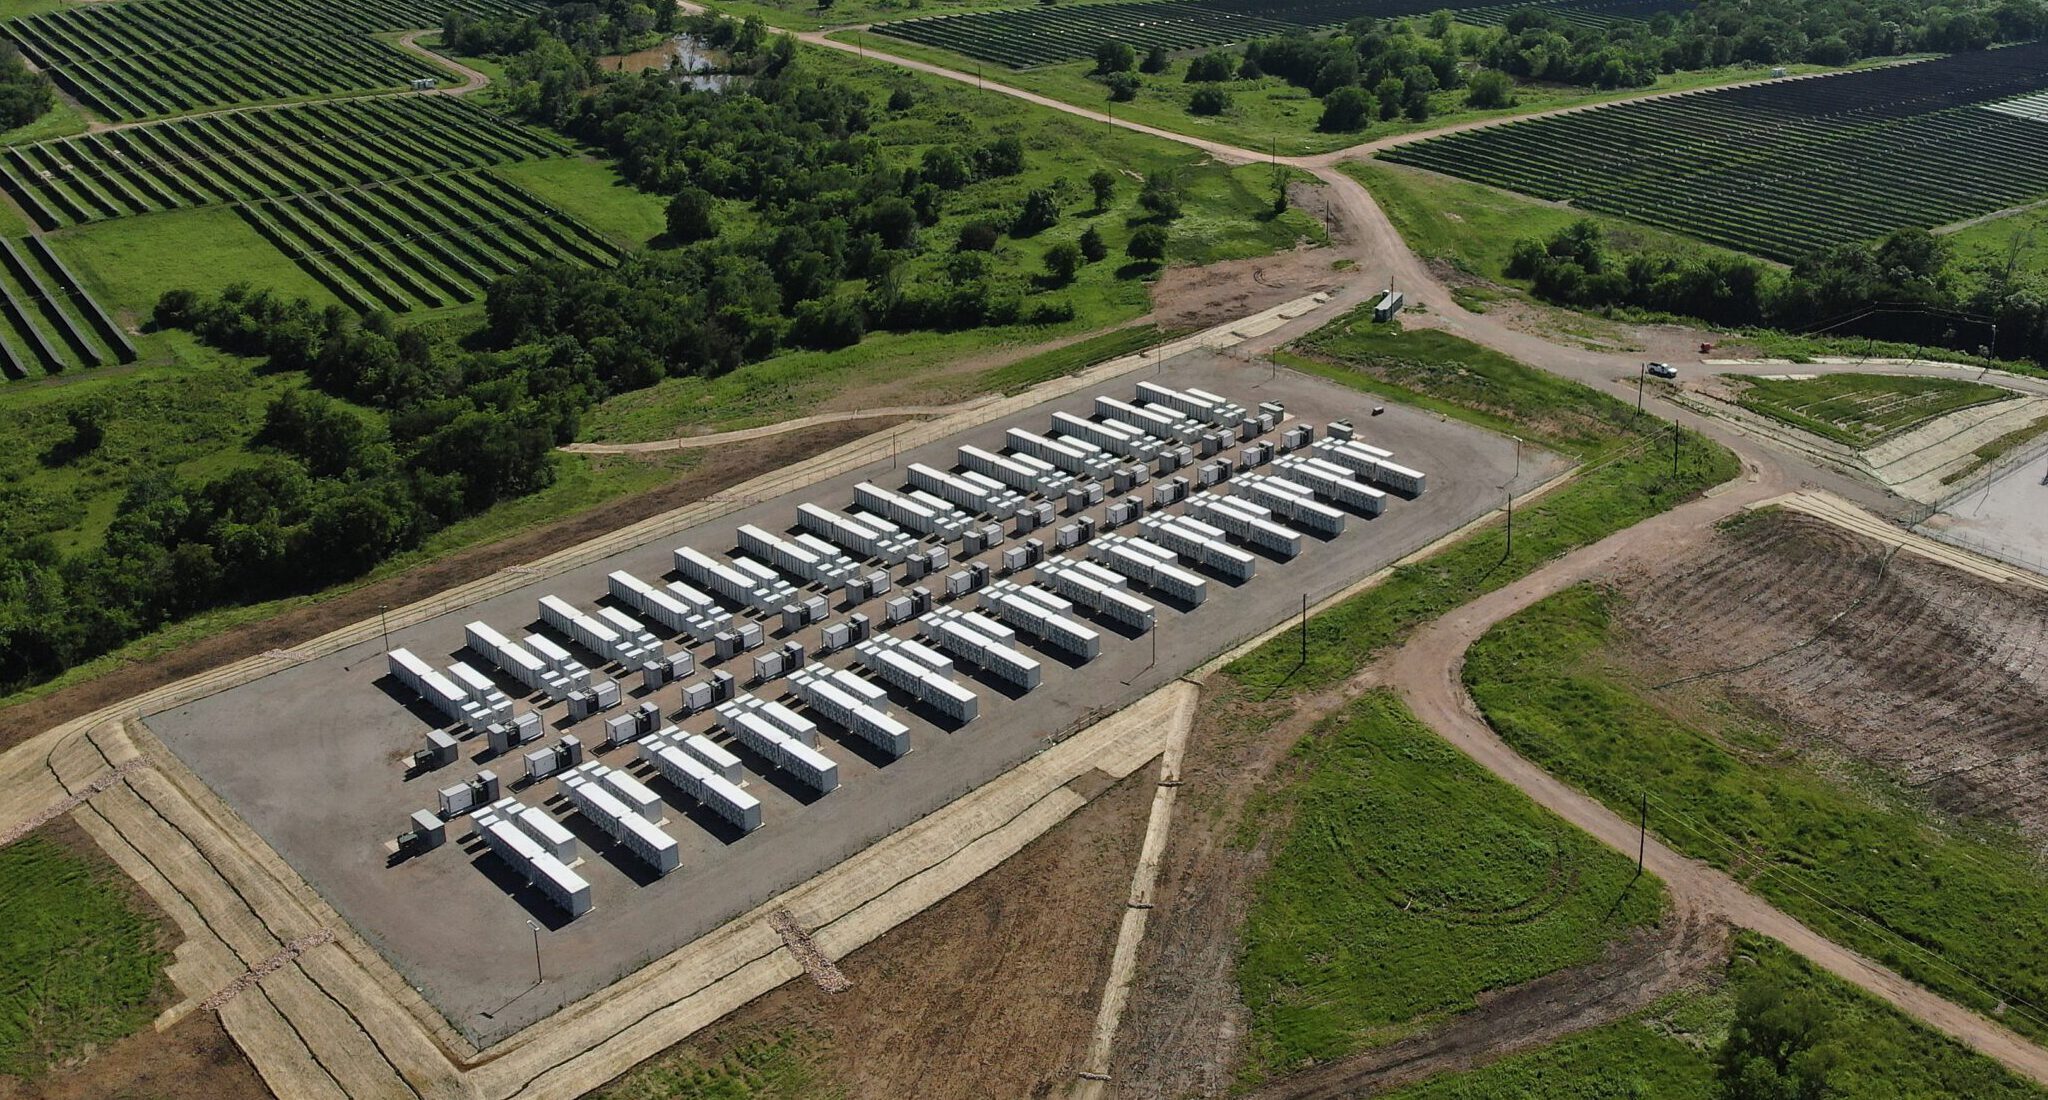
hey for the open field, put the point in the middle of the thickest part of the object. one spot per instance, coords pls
(1860, 409)
(1670, 1050)
(1472, 228)
(1408, 884)
(1267, 114)
(1022, 37)
(81, 963)
(1852, 732)
(1839, 159)
(133, 61)
(471, 964)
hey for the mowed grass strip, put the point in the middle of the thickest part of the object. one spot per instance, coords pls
(1861, 409)
(1843, 849)
(80, 963)
(1410, 881)
(1671, 1049)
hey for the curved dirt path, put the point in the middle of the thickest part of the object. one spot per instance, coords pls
(472, 79)
(743, 435)
(1427, 670)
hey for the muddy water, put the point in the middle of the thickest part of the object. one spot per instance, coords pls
(690, 60)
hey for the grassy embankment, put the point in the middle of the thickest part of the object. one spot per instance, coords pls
(1670, 1050)
(80, 962)
(1861, 409)
(1410, 881)
(1843, 847)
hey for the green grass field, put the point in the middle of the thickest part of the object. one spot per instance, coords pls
(588, 190)
(1861, 409)
(784, 1067)
(1669, 1050)
(1474, 227)
(1409, 882)
(80, 964)
(128, 263)
(1071, 359)
(1837, 845)
(1267, 114)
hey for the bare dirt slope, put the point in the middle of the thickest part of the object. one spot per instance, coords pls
(1935, 676)
(991, 992)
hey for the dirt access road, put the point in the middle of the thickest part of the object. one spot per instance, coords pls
(1427, 670)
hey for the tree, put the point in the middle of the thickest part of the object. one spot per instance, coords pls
(1155, 60)
(1040, 212)
(1212, 67)
(1062, 261)
(1103, 182)
(1490, 90)
(901, 99)
(1123, 87)
(946, 167)
(1347, 110)
(977, 236)
(1114, 57)
(1092, 247)
(1390, 93)
(692, 216)
(1161, 195)
(1778, 1046)
(1148, 243)
(1209, 101)
(1000, 158)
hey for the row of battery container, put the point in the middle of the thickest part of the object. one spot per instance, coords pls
(1374, 464)
(705, 772)
(1042, 615)
(744, 583)
(678, 607)
(462, 694)
(921, 672)
(625, 810)
(781, 736)
(610, 633)
(1100, 590)
(982, 642)
(854, 704)
(538, 848)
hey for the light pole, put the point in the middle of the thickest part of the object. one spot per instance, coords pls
(537, 976)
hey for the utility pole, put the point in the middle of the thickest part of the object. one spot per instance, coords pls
(1640, 372)
(384, 618)
(1304, 628)
(1674, 448)
(1643, 833)
(1510, 495)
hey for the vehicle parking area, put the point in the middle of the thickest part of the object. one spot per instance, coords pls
(319, 758)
